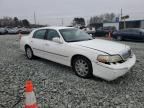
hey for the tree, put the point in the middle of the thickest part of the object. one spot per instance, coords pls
(16, 21)
(13, 22)
(107, 17)
(79, 21)
(6, 21)
(96, 19)
(25, 23)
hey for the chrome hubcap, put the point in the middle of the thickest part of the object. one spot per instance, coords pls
(29, 53)
(81, 67)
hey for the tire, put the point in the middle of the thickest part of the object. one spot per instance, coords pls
(29, 53)
(119, 38)
(82, 67)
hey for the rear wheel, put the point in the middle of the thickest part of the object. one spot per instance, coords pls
(29, 53)
(82, 67)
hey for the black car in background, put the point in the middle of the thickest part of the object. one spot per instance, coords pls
(129, 34)
(103, 31)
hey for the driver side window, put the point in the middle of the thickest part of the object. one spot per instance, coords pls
(39, 34)
(51, 34)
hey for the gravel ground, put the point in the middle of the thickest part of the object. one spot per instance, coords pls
(58, 87)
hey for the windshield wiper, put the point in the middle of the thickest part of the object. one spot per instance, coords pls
(74, 41)
(79, 40)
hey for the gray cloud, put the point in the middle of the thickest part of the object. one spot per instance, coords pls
(51, 11)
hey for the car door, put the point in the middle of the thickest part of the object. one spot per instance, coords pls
(37, 42)
(126, 34)
(136, 35)
(121, 33)
(57, 52)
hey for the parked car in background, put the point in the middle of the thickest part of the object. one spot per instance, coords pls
(75, 48)
(24, 30)
(103, 31)
(3, 31)
(15, 30)
(12, 30)
(129, 34)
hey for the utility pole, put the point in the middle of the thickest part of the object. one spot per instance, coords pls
(124, 19)
(124, 23)
(34, 18)
(121, 14)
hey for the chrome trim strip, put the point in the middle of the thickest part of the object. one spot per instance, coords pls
(51, 52)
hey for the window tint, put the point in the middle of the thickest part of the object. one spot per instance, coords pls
(142, 30)
(51, 34)
(125, 31)
(40, 34)
(122, 31)
(134, 31)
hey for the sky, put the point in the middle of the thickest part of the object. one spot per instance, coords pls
(54, 12)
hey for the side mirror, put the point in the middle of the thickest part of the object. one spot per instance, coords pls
(57, 40)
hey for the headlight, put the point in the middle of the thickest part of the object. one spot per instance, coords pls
(109, 58)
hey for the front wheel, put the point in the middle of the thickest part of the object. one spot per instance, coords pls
(82, 67)
(29, 53)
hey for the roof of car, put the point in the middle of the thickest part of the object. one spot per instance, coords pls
(55, 27)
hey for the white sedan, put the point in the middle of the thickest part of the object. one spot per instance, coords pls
(75, 48)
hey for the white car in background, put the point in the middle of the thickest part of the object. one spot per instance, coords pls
(75, 48)
(13, 30)
(3, 31)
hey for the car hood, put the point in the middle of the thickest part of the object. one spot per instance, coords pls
(105, 46)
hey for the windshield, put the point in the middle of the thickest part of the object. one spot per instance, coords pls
(74, 35)
(142, 30)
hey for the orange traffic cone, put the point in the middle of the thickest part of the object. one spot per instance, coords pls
(30, 100)
(109, 36)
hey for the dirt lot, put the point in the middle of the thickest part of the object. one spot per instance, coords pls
(58, 87)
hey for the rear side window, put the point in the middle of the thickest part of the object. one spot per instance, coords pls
(135, 31)
(125, 31)
(51, 34)
(40, 34)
